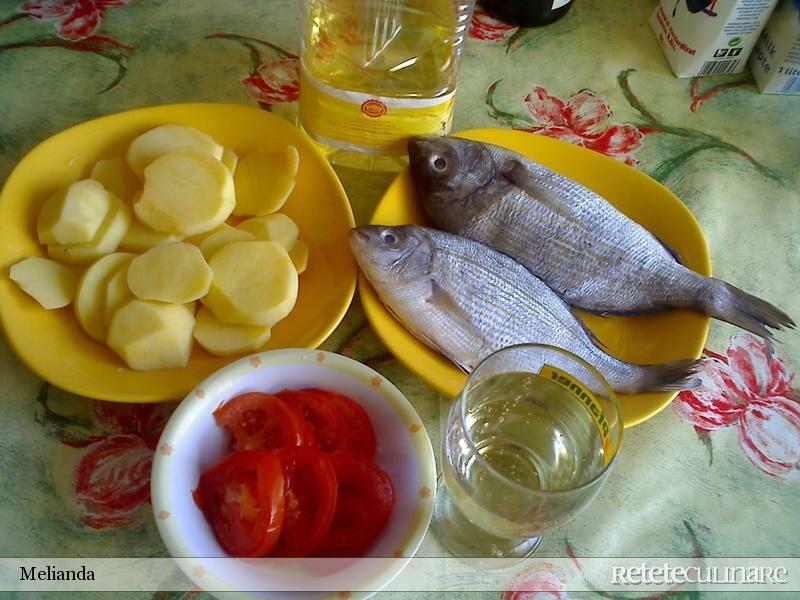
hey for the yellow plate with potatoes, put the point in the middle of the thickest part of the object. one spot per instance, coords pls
(52, 343)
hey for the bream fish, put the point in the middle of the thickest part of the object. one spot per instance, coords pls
(466, 300)
(587, 251)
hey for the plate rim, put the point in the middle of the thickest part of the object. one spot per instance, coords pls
(367, 293)
(150, 395)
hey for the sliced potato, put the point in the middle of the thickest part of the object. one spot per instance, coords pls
(218, 239)
(90, 294)
(151, 335)
(165, 139)
(299, 256)
(73, 215)
(140, 238)
(106, 239)
(226, 339)
(50, 283)
(264, 180)
(185, 193)
(117, 177)
(230, 159)
(254, 283)
(117, 293)
(272, 228)
(175, 272)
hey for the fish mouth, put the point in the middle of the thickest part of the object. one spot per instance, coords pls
(358, 238)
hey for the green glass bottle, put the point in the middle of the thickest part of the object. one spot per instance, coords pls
(527, 13)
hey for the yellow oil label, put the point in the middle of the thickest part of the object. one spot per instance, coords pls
(585, 397)
(365, 123)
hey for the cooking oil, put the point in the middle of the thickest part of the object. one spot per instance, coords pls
(376, 72)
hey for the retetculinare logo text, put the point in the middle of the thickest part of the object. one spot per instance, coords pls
(651, 575)
(667, 574)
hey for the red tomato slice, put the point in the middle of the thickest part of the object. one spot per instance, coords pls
(242, 498)
(310, 500)
(263, 422)
(324, 418)
(363, 505)
(362, 435)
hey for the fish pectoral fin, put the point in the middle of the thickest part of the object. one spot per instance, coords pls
(516, 173)
(443, 301)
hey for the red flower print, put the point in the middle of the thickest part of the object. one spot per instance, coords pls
(277, 81)
(486, 28)
(112, 479)
(143, 420)
(538, 583)
(750, 387)
(769, 431)
(584, 119)
(76, 19)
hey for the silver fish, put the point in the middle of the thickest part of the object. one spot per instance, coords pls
(466, 301)
(587, 251)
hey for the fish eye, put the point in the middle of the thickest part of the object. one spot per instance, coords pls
(439, 163)
(388, 237)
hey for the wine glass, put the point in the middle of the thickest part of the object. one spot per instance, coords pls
(528, 444)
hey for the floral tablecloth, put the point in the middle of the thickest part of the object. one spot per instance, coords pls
(715, 475)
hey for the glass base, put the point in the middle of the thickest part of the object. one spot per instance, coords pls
(463, 539)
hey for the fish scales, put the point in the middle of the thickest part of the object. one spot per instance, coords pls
(595, 257)
(468, 301)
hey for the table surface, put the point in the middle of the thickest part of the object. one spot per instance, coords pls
(716, 474)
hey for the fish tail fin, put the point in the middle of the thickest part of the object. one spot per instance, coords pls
(732, 305)
(670, 377)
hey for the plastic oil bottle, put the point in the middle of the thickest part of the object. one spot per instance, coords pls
(377, 72)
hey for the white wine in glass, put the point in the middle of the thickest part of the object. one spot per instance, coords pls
(528, 444)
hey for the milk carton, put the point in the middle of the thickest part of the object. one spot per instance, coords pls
(709, 37)
(776, 58)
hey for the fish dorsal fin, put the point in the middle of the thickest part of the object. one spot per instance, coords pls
(443, 301)
(589, 333)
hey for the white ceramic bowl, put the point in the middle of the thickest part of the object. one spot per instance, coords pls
(192, 442)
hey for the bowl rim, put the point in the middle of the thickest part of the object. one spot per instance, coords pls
(199, 400)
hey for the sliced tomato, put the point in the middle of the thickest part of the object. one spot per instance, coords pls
(242, 498)
(310, 499)
(261, 421)
(365, 498)
(324, 418)
(362, 435)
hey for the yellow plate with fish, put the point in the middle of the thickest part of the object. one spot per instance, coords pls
(646, 339)
(52, 343)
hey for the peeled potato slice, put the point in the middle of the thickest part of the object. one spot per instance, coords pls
(264, 180)
(73, 215)
(140, 238)
(254, 283)
(151, 335)
(90, 294)
(117, 177)
(165, 139)
(185, 193)
(50, 283)
(230, 159)
(106, 239)
(175, 272)
(117, 293)
(299, 256)
(272, 228)
(226, 339)
(218, 239)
